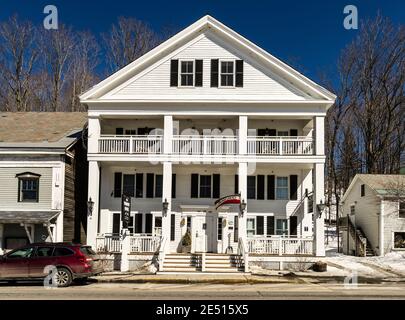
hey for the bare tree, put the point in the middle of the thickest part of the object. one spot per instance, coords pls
(18, 56)
(128, 40)
(57, 47)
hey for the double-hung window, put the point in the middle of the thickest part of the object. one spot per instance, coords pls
(186, 73)
(282, 188)
(227, 73)
(282, 227)
(28, 187)
(251, 227)
(205, 186)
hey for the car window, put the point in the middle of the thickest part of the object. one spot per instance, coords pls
(87, 251)
(60, 252)
(44, 251)
(21, 253)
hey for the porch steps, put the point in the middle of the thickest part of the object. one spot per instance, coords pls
(214, 263)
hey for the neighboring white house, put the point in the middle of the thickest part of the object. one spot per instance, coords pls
(204, 115)
(375, 205)
(43, 177)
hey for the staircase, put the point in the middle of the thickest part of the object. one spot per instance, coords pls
(191, 262)
(363, 247)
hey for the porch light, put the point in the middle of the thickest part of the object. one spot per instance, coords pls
(165, 207)
(242, 207)
(320, 207)
(90, 206)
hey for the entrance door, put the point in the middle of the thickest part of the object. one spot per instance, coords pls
(204, 234)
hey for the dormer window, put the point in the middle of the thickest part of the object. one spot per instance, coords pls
(187, 73)
(28, 187)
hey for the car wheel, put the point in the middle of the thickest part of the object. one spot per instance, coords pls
(62, 278)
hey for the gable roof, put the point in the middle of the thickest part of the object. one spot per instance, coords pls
(206, 22)
(40, 129)
(381, 184)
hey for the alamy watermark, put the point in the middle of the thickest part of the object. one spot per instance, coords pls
(351, 21)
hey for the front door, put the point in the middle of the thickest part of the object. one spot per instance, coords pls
(204, 233)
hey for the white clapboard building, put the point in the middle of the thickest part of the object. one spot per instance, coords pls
(204, 115)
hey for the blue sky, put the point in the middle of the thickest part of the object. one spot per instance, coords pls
(310, 33)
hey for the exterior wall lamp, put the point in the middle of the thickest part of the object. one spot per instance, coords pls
(90, 207)
(165, 205)
(320, 207)
(242, 207)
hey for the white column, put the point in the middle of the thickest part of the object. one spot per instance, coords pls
(167, 134)
(94, 130)
(319, 135)
(319, 225)
(242, 175)
(167, 195)
(243, 130)
(381, 229)
(59, 228)
(93, 193)
(1, 238)
(126, 249)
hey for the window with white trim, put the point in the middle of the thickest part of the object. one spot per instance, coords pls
(227, 73)
(399, 240)
(28, 187)
(282, 188)
(205, 186)
(186, 73)
(251, 227)
(282, 227)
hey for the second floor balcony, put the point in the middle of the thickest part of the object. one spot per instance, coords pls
(201, 145)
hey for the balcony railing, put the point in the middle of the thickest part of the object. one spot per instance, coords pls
(280, 246)
(151, 144)
(144, 244)
(206, 145)
(109, 243)
(279, 145)
(112, 243)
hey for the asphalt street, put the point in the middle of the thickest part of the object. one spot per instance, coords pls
(150, 291)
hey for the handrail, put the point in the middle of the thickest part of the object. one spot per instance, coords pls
(161, 256)
(244, 252)
(359, 237)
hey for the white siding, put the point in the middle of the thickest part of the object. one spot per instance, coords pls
(258, 82)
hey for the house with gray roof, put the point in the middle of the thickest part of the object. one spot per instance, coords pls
(373, 219)
(43, 178)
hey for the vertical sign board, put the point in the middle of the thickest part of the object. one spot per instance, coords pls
(125, 210)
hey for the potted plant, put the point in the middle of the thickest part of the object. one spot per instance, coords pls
(186, 242)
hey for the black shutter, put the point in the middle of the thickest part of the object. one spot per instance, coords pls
(139, 185)
(119, 131)
(116, 223)
(173, 185)
(150, 177)
(271, 187)
(293, 186)
(293, 225)
(239, 73)
(117, 184)
(216, 187)
(194, 185)
(272, 132)
(293, 132)
(172, 227)
(174, 73)
(214, 72)
(270, 226)
(198, 73)
(138, 223)
(159, 186)
(260, 225)
(236, 184)
(260, 187)
(148, 223)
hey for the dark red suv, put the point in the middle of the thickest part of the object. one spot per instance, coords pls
(61, 262)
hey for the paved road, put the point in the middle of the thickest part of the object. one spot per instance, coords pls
(204, 291)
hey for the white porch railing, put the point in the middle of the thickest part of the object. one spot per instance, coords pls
(258, 145)
(205, 145)
(109, 243)
(150, 144)
(280, 246)
(144, 244)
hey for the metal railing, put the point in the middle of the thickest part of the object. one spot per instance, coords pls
(150, 144)
(259, 145)
(109, 243)
(244, 253)
(280, 246)
(144, 244)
